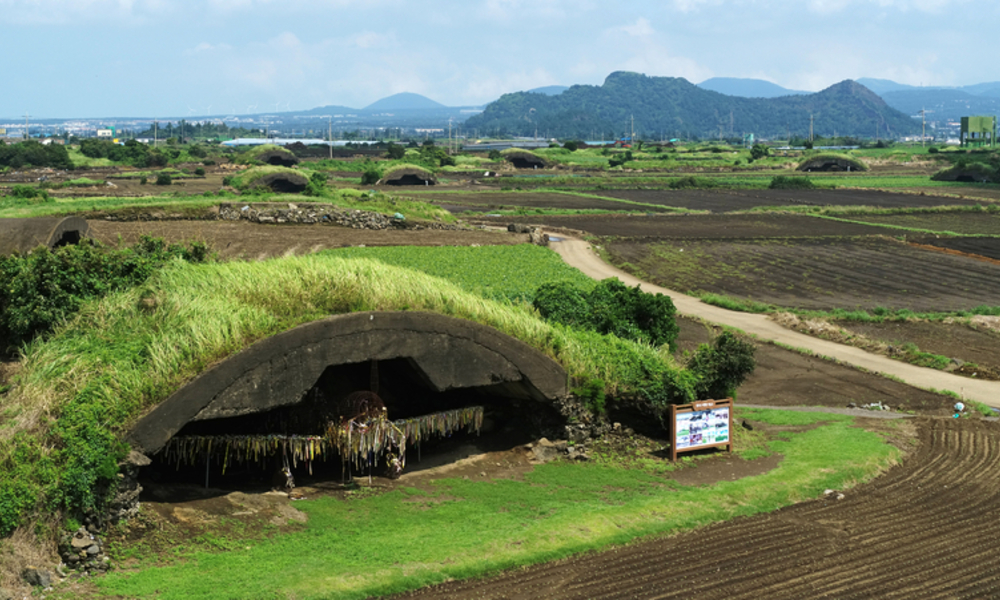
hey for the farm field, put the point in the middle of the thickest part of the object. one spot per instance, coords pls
(734, 200)
(486, 201)
(864, 546)
(817, 273)
(965, 223)
(703, 227)
(979, 247)
(251, 241)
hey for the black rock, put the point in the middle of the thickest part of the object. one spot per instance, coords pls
(37, 577)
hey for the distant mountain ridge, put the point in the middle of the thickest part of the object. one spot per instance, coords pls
(747, 88)
(674, 107)
(404, 101)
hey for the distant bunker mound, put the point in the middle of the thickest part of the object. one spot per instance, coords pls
(435, 375)
(408, 176)
(24, 235)
(526, 160)
(278, 157)
(283, 183)
(974, 173)
(832, 163)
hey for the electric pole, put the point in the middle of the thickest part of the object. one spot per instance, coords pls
(923, 126)
(810, 128)
(329, 135)
(26, 136)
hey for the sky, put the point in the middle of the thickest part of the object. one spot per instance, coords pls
(191, 58)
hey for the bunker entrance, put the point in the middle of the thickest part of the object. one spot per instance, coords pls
(248, 451)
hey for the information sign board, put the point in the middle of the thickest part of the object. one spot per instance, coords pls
(707, 424)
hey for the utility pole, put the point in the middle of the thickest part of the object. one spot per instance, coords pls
(810, 128)
(449, 135)
(923, 126)
(154, 131)
(26, 136)
(329, 135)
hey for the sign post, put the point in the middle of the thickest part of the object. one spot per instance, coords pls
(706, 424)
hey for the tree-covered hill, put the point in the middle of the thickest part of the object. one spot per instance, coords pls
(673, 107)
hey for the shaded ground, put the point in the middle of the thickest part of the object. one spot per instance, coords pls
(817, 273)
(963, 223)
(974, 247)
(863, 546)
(255, 241)
(486, 201)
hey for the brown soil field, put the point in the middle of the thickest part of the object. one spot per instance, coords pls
(984, 247)
(961, 223)
(708, 227)
(487, 201)
(787, 378)
(733, 200)
(925, 529)
(257, 242)
(817, 273)
(954, 340)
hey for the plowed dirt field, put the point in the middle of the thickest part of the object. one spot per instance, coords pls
(926, 529)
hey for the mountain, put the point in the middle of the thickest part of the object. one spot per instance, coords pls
(403, 101)
(942, 104)
(747, 88)
(674, 107)
(549, 90)
(882, 86)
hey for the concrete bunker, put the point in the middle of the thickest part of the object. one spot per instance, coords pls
(408, 176)
(291, 385)
(283, 183)
(525, 160)
(278, 157)
(24, 235)
(831, 164)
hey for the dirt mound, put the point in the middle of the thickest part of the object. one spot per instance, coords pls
(924, 530)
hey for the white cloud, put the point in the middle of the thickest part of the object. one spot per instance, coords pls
(641, 28)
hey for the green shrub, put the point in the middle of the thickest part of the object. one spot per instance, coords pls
(395, 151)
(200, 172)
(163, 179)
(759, 151)
(208, 163)
(27, 192)
(780, 182)
(317, 184)
(611, 307)
(44, 287)
(591, 391)
(495, 155)
(691, 182)
(932, 150)
(721, 367)
(370, 176)
(143, 180)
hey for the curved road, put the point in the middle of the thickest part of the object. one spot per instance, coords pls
(579, 254)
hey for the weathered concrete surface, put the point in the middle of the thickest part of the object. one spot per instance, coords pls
(24, 235)
(450, 354)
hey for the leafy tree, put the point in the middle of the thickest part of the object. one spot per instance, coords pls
(759, 151)
(722, 366)
(572, 146)
(495, 155)
(163, 179)
(316, 185)
(395, 151)
(370, 176)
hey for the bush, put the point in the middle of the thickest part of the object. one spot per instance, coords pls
(780, 182)
(691, 182)
(44, 287)
(197, 152)
(27, 192)
(163, 179)
(495, 155)
(395, 151)
(316, 185)
(759, 151)
(143, 180)
(932, 150)
(208, 163)
(200, 172)
(370, 176)
(611, 308)
(572, 146)
(722, 366)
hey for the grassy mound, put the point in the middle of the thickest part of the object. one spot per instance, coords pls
(80, 390)
(261, 177)
(830, 161)
(976, 172)
(267, 153)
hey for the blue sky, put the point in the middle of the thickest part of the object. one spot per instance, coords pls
(94, 58)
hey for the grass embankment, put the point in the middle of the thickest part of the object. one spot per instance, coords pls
(80, 389)
(463, 528)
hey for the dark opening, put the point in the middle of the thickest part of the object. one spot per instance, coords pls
(409, 179)
(966, 178)
(281, 161)
(827, 167)
(508, 422)
(284, 185)
(71, 237)
(524, 163)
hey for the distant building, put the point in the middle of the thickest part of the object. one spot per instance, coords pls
(979, 131)
(106, 133)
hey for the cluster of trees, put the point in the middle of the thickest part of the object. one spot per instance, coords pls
(611, 307)
(34, 154)
(674, 107)
(132, 153)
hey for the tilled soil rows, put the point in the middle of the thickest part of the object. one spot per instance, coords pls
(818, 273)
(731, 200)
(926, 529)
(484, 201)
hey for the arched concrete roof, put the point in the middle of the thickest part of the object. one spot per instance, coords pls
(449, 353)
(24, 235)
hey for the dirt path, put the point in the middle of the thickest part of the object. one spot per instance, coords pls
(926, 529)
(579, 254)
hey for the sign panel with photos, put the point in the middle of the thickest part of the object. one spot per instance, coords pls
(701, 425)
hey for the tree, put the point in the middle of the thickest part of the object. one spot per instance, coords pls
(722, 366)
(395, 151)
(759, 151)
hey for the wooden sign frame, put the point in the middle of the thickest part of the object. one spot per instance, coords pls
(705, 406)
